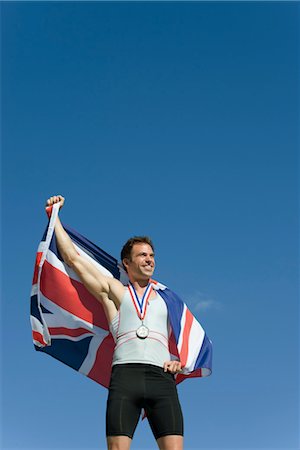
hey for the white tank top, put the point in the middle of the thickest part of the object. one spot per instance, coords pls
(129, 348)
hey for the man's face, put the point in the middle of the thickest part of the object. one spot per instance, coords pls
(141, 264)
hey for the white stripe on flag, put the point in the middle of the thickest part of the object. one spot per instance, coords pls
(182, 324)
(195, 343)
(36, 324)
(70, 338)
(34, 290)
(38, 327)
(42, 246)
(89, 361)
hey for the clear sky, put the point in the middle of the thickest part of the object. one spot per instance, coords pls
(177, 120)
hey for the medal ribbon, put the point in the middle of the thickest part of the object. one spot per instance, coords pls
(140, 306)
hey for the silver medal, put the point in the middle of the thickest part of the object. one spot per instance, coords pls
(142, 332)
(141, 307)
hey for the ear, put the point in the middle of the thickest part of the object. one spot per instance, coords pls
(125, 261)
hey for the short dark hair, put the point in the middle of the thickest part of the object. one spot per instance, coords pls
(127, 247)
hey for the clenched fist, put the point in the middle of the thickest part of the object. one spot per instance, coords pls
(55, 199)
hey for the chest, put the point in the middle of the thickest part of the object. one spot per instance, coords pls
(155, 317)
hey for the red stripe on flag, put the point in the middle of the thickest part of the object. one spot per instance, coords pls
(185, 338)
(181, 377)
(172, 345)
(38, 337)
(72, 296)
(101, 370)
(68, 331)
(49, 210)
(36, 267)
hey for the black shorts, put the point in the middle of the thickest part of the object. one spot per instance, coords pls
(136, 386)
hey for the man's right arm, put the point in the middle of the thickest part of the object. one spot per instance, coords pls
(107, 290)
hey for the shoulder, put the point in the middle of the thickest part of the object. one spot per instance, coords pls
(117, 290)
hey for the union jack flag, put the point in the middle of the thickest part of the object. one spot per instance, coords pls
(69, 324)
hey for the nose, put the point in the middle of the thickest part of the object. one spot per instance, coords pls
(149, 259)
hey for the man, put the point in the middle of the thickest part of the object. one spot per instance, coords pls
(143, 373)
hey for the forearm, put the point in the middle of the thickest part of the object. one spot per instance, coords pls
(65, 245)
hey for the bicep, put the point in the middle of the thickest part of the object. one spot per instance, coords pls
(104, 288)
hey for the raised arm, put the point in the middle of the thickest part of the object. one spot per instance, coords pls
(107, 290)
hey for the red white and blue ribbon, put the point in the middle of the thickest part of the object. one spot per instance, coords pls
(140, 305)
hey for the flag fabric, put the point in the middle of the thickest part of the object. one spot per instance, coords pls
(69, 324)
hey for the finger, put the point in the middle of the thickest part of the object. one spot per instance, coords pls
(171, 367)
(174, 366)
(168, 366)
(54, 199)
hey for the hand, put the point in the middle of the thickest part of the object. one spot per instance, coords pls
(55, 199)
(172, 366)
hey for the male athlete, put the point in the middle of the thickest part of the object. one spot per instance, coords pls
(142, 373)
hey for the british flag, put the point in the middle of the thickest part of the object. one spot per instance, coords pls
(69, 324)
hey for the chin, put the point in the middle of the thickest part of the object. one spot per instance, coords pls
(148, 273)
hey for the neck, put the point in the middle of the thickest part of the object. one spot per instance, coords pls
(139, 284)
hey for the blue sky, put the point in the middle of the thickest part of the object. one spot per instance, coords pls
(177, 120)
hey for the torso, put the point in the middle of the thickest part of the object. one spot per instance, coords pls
(130, 348)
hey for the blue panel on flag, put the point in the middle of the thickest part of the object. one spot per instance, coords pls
(175, 308)
(45, 234)
(34, 310)
(45, 310)
(54, 249)
(71, 353)
(205, 356)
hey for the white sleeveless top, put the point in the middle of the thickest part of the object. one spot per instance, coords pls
(129, 348)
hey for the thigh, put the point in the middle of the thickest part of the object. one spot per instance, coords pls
(162, 407)
(123, 404)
